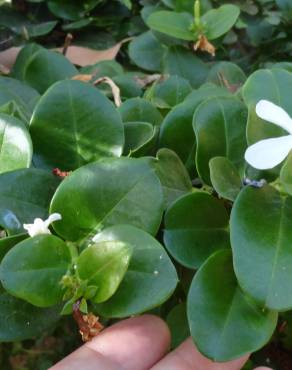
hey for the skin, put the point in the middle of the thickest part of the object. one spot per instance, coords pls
(141, 343)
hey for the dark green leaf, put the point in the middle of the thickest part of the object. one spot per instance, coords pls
(196, 225)
(151, 277)
(85, 127)
(32, 270)
(105, 193)
(225, 323)
(261, 240)
(104, 265)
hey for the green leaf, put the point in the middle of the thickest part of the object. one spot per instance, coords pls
(177, 134)
(277, 84)
(261, 240)
(178, 324)
(9, 242)
(15, 144)
(147, 52)
(220, 125)
(25, 97)
(137, 136)
(225, 178)
(19, 320)
(173, 24)
(219, 21)
(223, 73)
(85, 127)
(286, 175)
(104, 265)
(106, 193)
(150, 279)
(25, 195)
(67, 9)
(40, 68)
(182, 62)
(217, 309)
(109, 68)
(170, 92)
(32, 270)
(173, 175)
(140, 110)
(196, 225)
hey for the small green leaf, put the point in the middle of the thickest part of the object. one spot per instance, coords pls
(104, 265)
(20, 320)
(150, 279)
(173, 24)
(40, 67)
(225, 178)
(261, 238)
(178, 324)
(9, 242)
(196, 225)
(286, 175)
(15, 144)
(32, 270)
(137, 136)
(217, 309)
(147, 52)
(219, 21)
(25, 195)
(173, 175)
(220, 126)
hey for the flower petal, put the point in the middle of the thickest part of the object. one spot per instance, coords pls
(52, 218)
(275, 114)
(266, 154)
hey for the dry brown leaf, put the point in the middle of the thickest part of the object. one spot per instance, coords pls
(149, 79)
(113, 86)
(205, 45)
(78, 55)
(89, 325)
(83, 78)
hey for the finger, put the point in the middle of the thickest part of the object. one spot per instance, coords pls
(263, 368)
(133, 344)
(187, 357)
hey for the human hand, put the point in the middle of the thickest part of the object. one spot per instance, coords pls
(141, 343)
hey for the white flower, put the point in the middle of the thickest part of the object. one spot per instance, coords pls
(268, 153)
(41, 227)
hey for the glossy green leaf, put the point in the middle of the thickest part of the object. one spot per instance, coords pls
(182, 62)
(20, 320)
(109, 68)
(147, 52)
(15, 144)
(150, 279)
(25, 195)
(9, 242)
(104, 265)
(40, 68)
(225, 323)
(137, 136)
(25, 97)
(85, 127)
(196, 225)
(261, 240)
(32, 270)
(171, 92)
(225, 178)
(67, 9)
(173, 175)
(219, 21)
(140, 110)
(173, 24)
(129, 87)
(220, 125)
(273, 85)
(178, 325)
(227, 73)
(106, 193)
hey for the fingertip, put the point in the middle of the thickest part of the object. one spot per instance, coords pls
(135, 343)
